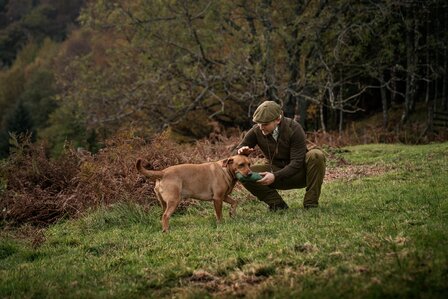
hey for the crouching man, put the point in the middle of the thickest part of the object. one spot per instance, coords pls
(289, 164)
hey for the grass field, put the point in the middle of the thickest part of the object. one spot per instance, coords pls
(381, 231)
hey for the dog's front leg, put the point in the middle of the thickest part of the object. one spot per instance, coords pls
(233, 204)
(218, 208)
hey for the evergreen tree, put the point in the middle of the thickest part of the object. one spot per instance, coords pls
(17, 122)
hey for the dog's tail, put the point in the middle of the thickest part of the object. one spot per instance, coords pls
(151, 174)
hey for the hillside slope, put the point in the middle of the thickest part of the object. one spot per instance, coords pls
(381, 233)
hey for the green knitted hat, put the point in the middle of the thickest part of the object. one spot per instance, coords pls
(267, 112)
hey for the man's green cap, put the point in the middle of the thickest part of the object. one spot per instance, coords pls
(267, 112)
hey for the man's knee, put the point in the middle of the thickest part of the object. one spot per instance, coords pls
(315, 156)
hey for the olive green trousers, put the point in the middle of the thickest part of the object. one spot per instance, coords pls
(311, 178)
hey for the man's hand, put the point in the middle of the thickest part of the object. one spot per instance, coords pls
(268, 178)
(245, 150)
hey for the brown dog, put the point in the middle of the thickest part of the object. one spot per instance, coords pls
(206, 181)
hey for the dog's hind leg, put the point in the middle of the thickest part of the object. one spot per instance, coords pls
(171, 198)
(170, 208)
(233, 204)
(157, 190)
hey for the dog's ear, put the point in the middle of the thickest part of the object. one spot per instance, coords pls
(227, 162)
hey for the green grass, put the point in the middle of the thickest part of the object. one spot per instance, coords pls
(372, 237)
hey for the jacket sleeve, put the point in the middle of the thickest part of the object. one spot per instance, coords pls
(250, 140)
(297, 155)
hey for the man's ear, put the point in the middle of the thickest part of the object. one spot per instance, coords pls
(227, 162)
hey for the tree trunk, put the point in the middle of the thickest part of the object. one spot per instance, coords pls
(393, 82)
(291, 100)
(428, 102)
(384, 101)
(341, 110)
(409, 70)
(322, 117)
(341, 120)
(294, 67)
(445, 58)
(303, 107)
(268, 57)
(445, 82)
(414, 63)
(428, 69)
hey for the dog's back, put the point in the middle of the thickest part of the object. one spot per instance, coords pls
(186, 171)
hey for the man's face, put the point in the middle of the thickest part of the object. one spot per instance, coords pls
(268, 128)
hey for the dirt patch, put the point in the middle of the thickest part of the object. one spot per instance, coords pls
(352, 172)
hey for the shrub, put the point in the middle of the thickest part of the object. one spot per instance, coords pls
(35, 188)
(39, 190)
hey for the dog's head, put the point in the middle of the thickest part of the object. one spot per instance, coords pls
(238, 163)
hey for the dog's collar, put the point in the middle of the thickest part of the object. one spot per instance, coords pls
(229, 176)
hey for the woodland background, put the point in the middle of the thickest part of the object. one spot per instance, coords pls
(76, 71)
(89, 86)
